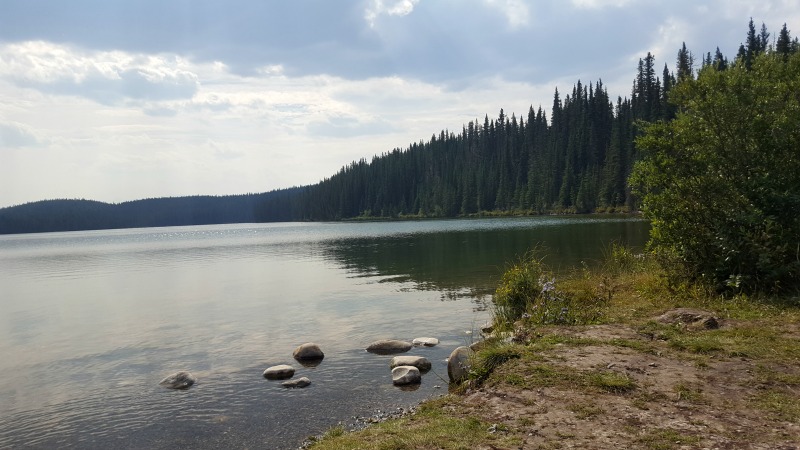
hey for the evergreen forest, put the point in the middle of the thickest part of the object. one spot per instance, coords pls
(576, 159)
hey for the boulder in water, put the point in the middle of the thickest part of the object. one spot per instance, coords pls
(425, 341)
(280, 372)
(420, 362)
(458, 365)
(308, 352)
(298, 383)
(178, 380)
(389, 346)
(402, 375)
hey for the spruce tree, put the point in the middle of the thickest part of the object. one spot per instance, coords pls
(685, 64)
(784, 43)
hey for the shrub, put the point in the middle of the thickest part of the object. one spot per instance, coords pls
(721, 182)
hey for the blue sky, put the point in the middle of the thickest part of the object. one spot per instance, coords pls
(115, 101)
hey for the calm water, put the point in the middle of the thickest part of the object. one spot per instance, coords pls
(91, 321)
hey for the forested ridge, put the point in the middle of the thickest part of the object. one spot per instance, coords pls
(577, 160)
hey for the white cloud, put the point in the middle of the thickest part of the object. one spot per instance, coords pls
(348, 126)
(105, 77)
(598, 4)
(516, 11)
(15, 134)
(670, 36)
(377, 8)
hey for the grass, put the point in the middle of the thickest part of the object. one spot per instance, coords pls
(613, 382)
(431, 427)
(539, 375)
(585, 411)
(781, 403)
(665, 439)
(491, 357)
(688, 393)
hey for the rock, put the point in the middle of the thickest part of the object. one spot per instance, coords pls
(420, 362)
(178, 380)
(297, 383)
(458, 364)
(280, 372)
(696, 319)
(403, 375)
(425, 341)
(308, 352)
(389, 346)
(487, 329)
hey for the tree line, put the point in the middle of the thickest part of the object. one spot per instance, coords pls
(74, 215)
(577, 160)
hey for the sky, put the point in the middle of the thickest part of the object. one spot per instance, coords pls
(121, 100)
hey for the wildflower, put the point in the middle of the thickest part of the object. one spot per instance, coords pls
(547, 286)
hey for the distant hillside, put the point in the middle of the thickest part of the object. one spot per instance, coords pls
(73, 215)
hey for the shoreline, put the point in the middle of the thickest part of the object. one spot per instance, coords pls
(627, 380)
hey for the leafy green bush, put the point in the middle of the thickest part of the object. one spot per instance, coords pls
(721, 182)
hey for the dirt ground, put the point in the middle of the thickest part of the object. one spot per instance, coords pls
(675, 402)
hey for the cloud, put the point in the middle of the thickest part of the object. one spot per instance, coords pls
(105, 77)
(14, 135)
(377, 8)
(516, 11)
(344, 127)
(599, 4)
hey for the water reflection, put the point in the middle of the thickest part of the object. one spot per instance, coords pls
(91, 321)
(467, 263)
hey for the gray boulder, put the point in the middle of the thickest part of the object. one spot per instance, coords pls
(420, 362)
(389, 346)
(280, 372)
(403, 375)
(298, 383)
(178, 380)
(458, 364)
(693, 319)
(308, 352)
(425, 341)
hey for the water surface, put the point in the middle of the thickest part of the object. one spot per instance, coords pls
(91, 321)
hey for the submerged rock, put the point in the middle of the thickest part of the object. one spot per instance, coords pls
(425, 341)
(458, 364)
(178, 380)
(308, 352)
(389, 346)
(298, 383)
(280, 372)
(420, 362)
(403, 375)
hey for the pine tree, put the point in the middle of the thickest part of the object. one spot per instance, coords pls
(685, 64)
(753, 44)
(720, 62)
(784, 43)
(763, 39)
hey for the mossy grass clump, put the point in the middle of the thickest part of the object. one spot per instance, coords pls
(531, 292)
(432, 426)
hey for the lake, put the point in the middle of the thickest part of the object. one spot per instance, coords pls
(91, 321)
